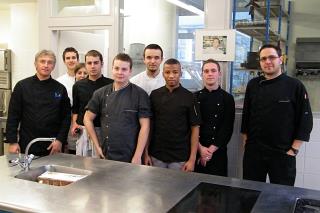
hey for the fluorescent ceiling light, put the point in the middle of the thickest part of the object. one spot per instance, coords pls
(187, 7)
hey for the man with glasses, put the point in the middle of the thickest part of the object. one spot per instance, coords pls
(276, 120)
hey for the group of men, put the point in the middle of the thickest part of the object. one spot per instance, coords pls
(152, 119)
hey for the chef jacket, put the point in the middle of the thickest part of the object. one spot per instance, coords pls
(82, 92)
(217, 113)
(120, 112)
(42, 108)
(276, 112)
(174, 113)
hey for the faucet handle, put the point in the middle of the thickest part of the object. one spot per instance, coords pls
(30, 158)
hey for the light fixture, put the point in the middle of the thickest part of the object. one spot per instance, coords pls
(187, 7)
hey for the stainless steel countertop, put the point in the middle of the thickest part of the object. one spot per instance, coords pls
(123, 187)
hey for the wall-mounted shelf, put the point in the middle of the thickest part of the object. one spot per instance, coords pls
(275, 11)
(260, 29)
(259, 32)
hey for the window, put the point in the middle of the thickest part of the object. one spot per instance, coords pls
(80, 7)
(169, 23)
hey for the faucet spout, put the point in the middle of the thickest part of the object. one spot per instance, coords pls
(35, 141)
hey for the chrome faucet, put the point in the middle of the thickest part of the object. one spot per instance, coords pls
(27, 159)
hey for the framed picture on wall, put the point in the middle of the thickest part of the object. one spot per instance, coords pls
(216, 44)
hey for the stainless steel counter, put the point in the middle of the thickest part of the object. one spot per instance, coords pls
(122, 187)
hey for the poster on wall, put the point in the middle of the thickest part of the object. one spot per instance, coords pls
(216, 44)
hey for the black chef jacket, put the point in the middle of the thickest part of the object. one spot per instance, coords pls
(120, 112)
(42, 108)
(217, 113)
(174, 113)
(82, 92)
(276, 112)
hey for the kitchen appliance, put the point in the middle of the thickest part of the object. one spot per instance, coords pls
(5, 91)
(5, 69)
(307, 56)
(207, 197)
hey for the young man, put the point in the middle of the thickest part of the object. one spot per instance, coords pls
(125, 114)
(276, 119)
(82, 93)
(151, 78)
(39, 107)
(217, 112)
(70, 58)
(175, 133)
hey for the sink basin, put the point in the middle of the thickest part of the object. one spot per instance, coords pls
(54, 175)
(307, 205)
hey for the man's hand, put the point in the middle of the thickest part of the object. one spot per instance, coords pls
(205, 152)
(55, 147)
(136, 160)
(100, 152)
(74, 127)
(14, 148)
(188, 166)
(291, 153)
(147, 159)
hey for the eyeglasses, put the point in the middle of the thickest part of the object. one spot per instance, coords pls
(270, 57)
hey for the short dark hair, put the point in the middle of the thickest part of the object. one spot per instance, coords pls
(78, 67)
(216, 38)
(271, 46)
(123, 57)
(153, 47)
(69, 49)
(210, 60)
(172, 61)
(94, 53)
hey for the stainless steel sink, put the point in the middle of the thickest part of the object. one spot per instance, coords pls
(34, 173)
(307, 206)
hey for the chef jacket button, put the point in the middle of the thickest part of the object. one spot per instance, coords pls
(215, 115)
(212, 138)
(214, 127)
(218, 104)
(107, 115)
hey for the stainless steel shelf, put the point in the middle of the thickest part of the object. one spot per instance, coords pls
(259, 32)
(274, 11)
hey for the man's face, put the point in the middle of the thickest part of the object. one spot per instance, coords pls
(215, 43)
(44, 66)
(270, 62)
(171, 74)
(70, 60)
(152, 59)
(121, 71)
(93, 65)
(210, 74)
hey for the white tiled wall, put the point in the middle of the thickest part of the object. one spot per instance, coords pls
(308, 159)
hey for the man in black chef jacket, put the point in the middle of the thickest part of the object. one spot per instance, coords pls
(175, 122)
(217, 112)
(124, 110)
(276, 119)
(40, 105)
(82, 92)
